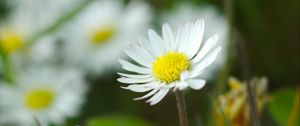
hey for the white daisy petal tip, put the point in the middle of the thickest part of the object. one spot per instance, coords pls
(119, 79)
(121, 61)
(200, 22)
(196, 84)
(215, 37)
(124, 87)
(153, 103)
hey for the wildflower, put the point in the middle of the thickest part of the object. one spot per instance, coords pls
(217, 24)
(171, 61)
(50, 96)
(235, 105)
(96, 38)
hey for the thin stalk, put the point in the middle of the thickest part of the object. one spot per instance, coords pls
(246, 73)
(7, 68)
(37, 121)
(183, 121)
(60, 22)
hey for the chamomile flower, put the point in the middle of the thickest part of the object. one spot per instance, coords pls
(28, 18)
(173, 61)
(50, 96)
(95, 40)
(215, 21)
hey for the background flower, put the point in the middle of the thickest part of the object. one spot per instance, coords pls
(49, 95)
(101, 31)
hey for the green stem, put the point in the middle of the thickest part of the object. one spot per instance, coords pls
(246, 73)
(37, 121)
(60, 22)
(7, 68)
(183, 121)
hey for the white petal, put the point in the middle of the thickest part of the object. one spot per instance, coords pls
(134, 80)
(184, 75)
(141, 88)
(183, 85)
(158, 96)
(168, 37)
(139, 55)
(195, 38)
(145, 43)
(134, 68)
(134, 75)
(184, 37)
(196, 84)
(205, 63)
(178, 37)
(147, 95)
(209, 44)
(156, 42)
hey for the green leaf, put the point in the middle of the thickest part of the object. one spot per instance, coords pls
(117, 120)
(281, 105)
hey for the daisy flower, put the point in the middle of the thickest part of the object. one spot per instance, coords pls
(103, 29)
(174, 60)
(50, 96)
(215, 21)
(28, 18)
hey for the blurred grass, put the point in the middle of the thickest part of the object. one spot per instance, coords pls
(117, 120)
(280, 110)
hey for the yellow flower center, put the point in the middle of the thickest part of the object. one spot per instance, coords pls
(10, 41)
(102, 34)
(39, 99)
(168, 68)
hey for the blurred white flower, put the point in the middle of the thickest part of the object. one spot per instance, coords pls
(95, 40)
(49, 95)
(32, 16)
(174, 60)
(27, 19)
(46, 51)
(215, 22)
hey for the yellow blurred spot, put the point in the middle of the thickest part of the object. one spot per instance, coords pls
(168, 68)
(102, 34)
(234, 83)
(10, 41)
(234, 103)
(39, 99)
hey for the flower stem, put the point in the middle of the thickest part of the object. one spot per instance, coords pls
(183, 121)
(246, 73)
(60, 22)
(7, 68)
